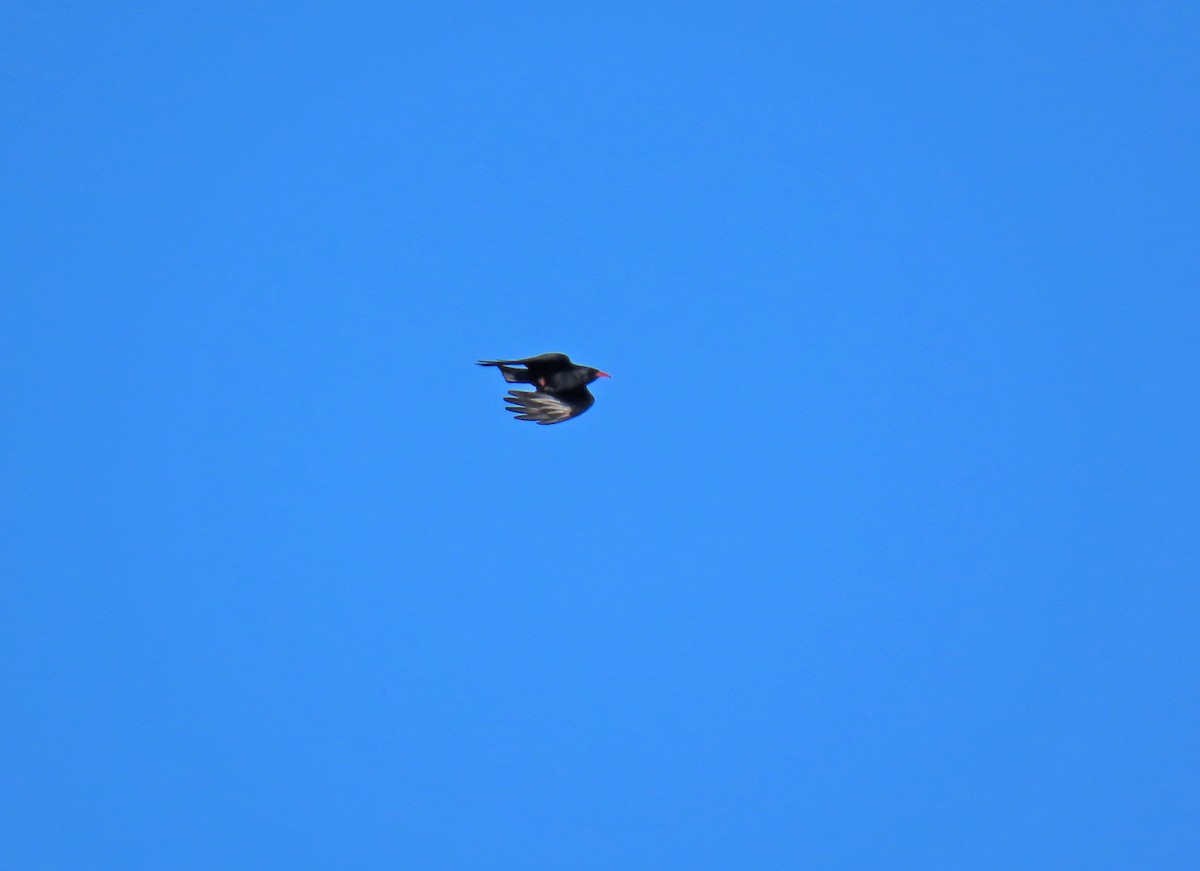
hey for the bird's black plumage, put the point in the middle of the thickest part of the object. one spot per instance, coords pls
(561, 387)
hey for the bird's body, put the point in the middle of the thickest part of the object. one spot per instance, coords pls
(561, 387)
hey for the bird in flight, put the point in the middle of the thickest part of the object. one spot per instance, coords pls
(561, 387)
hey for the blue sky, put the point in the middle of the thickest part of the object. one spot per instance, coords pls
(879, 550)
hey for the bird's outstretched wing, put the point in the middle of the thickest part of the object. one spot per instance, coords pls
(542, 363)
(548, 408)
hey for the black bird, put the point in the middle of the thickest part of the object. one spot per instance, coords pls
(561, 387)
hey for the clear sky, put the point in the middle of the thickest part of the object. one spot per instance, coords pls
(879, 550)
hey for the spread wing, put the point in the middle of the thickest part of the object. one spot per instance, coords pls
(541, 364)
(548, 408)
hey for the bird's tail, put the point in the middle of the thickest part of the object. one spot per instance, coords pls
(511, 374)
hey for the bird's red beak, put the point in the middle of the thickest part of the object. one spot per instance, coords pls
(603, 375)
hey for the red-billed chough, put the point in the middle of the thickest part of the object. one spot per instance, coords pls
(561, 387)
